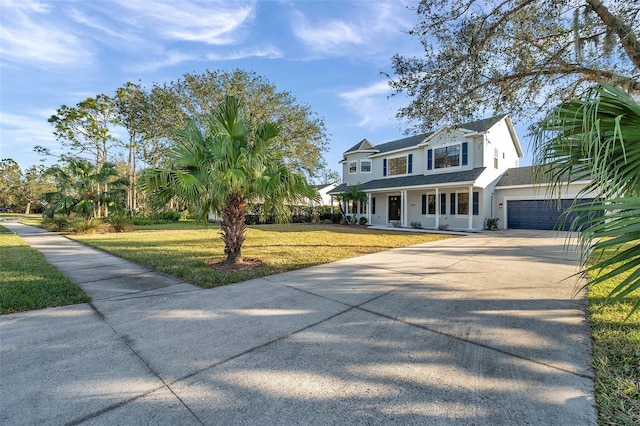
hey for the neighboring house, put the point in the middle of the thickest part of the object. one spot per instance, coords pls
(323, 192)
(455, 177)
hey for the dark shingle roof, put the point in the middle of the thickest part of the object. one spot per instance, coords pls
(363, 145)
(417, 180)
(476, 126)
(481, 125)
(517, 176)
(401, 143)
(525, 176)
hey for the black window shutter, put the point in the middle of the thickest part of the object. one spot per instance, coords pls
(429, 159)
(373, 205)
(410, 164)
(384, 167)
(424, 203)
(452, 209)
(443, 203)
(465, 153)
(476, 203)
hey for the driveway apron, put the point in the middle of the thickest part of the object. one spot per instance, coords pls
(483, 330)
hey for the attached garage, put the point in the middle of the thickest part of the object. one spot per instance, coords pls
(524, 203)
(537, 214)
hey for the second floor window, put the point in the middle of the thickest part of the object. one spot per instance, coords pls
(365, 166)
(448, 156)
(397, 166)
(353, 167)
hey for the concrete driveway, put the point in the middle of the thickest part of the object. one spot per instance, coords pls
(479, 330)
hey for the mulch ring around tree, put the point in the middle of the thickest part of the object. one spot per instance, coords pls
(240, 265)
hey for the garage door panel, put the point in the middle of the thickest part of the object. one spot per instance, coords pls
(536, 214)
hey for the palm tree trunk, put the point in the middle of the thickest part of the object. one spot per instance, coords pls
(233, 226)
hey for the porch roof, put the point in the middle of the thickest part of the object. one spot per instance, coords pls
(408, 182)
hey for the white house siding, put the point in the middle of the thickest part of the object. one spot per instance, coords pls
(498, 137)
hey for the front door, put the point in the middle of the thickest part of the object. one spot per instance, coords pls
(394, 207)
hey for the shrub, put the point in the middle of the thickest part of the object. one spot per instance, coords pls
(119, 223)
(416, 225)
(56, 223)
(362, 221)
(491, 224)
(83, 226)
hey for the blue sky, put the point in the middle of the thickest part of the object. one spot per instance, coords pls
(328, 54)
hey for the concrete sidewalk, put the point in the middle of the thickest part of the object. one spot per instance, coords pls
(472, 330)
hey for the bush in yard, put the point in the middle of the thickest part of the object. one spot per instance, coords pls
(362, 221)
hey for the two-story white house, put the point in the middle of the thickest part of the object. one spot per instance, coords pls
(456, 178)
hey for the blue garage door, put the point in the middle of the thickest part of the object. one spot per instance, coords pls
(537, 214)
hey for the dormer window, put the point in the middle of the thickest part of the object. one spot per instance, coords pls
(353, 167)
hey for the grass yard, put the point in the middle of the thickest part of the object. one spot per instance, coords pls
(183, 251)
(28, 281)
(616, 357)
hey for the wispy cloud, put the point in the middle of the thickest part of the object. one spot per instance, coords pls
(368, 30)
(209, 22)
(23, 132)
(175, 57)
(29, 36)
(373, 105)
(327, 36)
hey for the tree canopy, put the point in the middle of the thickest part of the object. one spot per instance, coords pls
(483, 57)
(196, 96)
(221, 163)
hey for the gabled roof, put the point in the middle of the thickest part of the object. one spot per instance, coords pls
(363, 145)
(323, 185)
(401, 143)
(417, 180)
(408, 142)
(481, 125)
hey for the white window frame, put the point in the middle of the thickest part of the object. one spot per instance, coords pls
(406, 165)
(370, 166)
(469, 205)
(459, 145)
(353, 162)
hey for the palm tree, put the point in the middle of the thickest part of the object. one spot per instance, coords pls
(221, 165)
(597, 137)
(354, 194)
(81, 189)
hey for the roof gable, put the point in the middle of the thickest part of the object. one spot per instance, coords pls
(363, 145)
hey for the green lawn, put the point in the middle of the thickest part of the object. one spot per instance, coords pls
(28, 281)
(616, 357)
(183, 251)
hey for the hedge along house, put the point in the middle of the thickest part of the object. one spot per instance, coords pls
(442, 179)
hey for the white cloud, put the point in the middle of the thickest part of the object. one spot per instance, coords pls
(373, 105)
(29, 36)
(21, 133)
(166, 60)
(173, 58)
(265, 52)
(209, 22)
(372, 28)
(326, 36)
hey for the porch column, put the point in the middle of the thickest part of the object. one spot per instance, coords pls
(331, 203)
(470, 207)
(403, 194)
(437, 209)
(369, 208)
